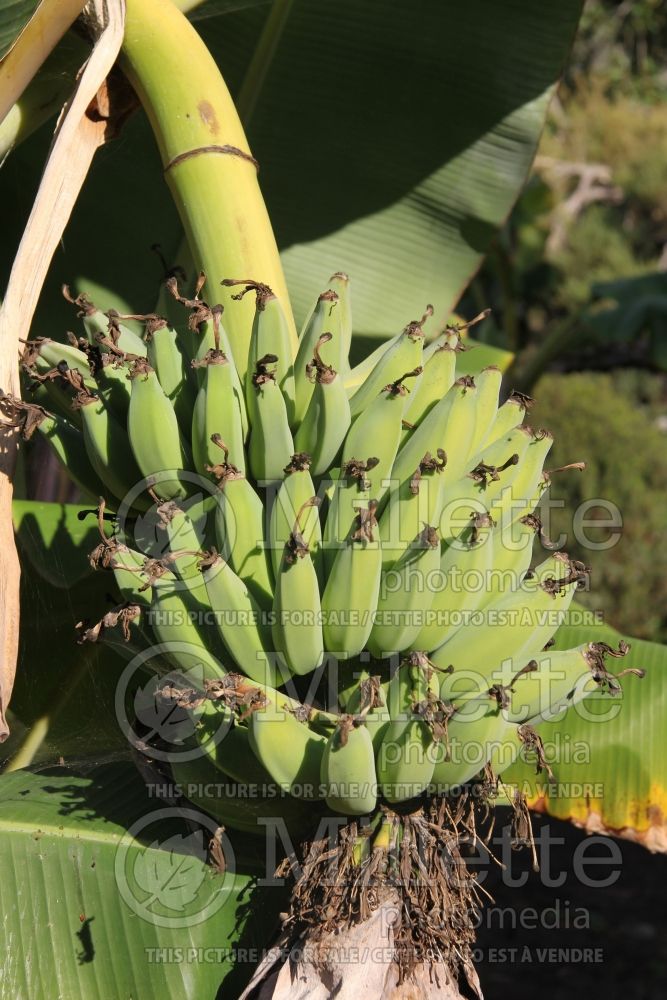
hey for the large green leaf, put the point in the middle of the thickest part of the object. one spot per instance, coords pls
(608, 755)
(64, 693)
(393, 140)
(90, 910)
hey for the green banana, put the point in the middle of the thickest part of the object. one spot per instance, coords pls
(377, 432)
(409, 748)
(416, 502)
(240, 623)
(105, 329)
(325, 316)
(437, 378)
(449, 427)
(271, 444)
(240, 529)
(294, 491)
(217, 414)
(270, 335)
(66, 441)
(460, 584)
(152, 428)
(172, 617)
(509, 416)
(404, 354)
(340, 284)
(475, 732)
(297, 629)
(488, 388)
(406, 593)
(200, 780)
(517, 624)
(352, 588)
(560, 679)
(171, 366)
(327, 419)
(289, 750)
(108, 449)
(347, 770)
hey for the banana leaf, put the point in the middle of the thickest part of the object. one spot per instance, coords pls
(393, 141)
(106, 892)
(608, 754)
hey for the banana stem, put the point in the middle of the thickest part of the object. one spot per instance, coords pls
(207, 162)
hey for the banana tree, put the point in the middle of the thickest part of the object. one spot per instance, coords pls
(298, 657)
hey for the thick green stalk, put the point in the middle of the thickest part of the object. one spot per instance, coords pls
(207, 162)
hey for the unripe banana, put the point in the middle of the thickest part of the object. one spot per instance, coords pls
(352, 588)
(340, 283)
(66, 441)
(290, 751)
(171, 366)
(475, 733)
(325, 316)
(108, 449)
(404, 354)
(297, 629)
(406, 593)
(271, 444)
(154, 436)
(172, 618)
(449, 426)
(377, 433)
(437, 378)
(560, 679)
(486, 410)
(217, 414)
(347, 771)
(113, 385)
(294, 491)
(226, 744)
(409, 748)
(105, 329)
(518, 622)
(327, 419)
(200, 779)
(417, 501)
(270, 335)
(241, 623)
(240, 529)
(459, 584)
(509, 416)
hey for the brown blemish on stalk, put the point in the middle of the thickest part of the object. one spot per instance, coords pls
(458, 328)
(226, 150)
(299, 462)
(576, 573)
(397, 389)
(484, 474)
(479, 520)
(262, 374)
(595, 656)
(357, 468)
(296, 546)
(428, 464)
(122, 616)
(25, 417)
(365, 523)
(209, 117)
(317, 370)
(225, 470)
(263, 293)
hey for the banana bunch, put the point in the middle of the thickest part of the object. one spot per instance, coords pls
(341, 556)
